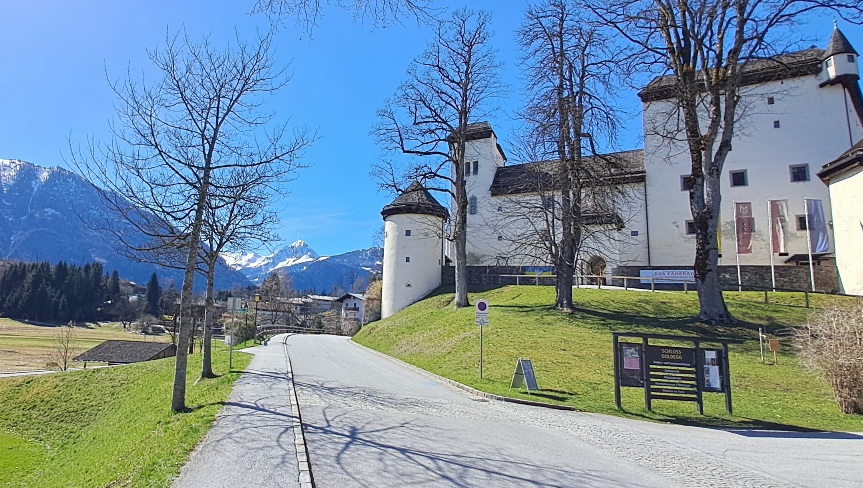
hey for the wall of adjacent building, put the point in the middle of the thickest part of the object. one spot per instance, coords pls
(846, 193)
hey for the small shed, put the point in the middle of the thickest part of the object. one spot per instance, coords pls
(126, 352)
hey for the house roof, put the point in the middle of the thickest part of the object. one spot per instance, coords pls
(618, 168)
(358, 296)
(850, 159)
(125, 351)
(838, 44)
(415, 200)
(781, 67)
(475, 131)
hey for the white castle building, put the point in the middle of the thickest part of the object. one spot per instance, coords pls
(799, 111)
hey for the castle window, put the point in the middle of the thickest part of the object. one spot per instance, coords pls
(548, 202)
(850, 58)
(738, 178)
(770, 100)
(775, 124)
(471, 205)
(829, 62)
(685, 182)
(476, 167)
(801, 222)
(499, 238)
(633, 233)
(799, 172)
(407, 259)
(690, 227)
(408, 233)
(500, 209)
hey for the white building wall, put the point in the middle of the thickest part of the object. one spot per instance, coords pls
(846, 193)
(815, 126)
(406, 281)
(351, 303)
(481, 227)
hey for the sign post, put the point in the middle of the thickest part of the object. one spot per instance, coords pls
(481, 321)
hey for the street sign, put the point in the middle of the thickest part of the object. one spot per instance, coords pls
(482, 313)
(524, 375)
(234, 304)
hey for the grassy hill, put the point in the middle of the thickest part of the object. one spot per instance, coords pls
(106, 427)
(572, 354)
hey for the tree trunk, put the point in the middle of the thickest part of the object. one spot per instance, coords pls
(209, 312)
(460, 241)
(706, 216)
(178, 400)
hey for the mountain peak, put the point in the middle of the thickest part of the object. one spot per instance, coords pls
(299, 243)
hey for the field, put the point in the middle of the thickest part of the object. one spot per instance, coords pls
(572, 354)
(25, 347)
(107, 426)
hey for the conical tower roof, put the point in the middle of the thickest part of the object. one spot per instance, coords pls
(415, 200)
(838, 44)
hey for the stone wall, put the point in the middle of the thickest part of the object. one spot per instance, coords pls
(752, 277)
(495, 276)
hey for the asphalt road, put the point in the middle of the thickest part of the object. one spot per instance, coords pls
(370, 421)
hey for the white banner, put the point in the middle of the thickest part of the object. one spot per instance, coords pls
(667, 275)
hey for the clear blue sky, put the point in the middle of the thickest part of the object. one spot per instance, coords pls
(54, 55)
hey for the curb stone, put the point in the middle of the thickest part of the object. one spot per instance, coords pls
(461, 386)
(305, 477)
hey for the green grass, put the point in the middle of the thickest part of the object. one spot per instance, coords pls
(106, 427)
(573, 359)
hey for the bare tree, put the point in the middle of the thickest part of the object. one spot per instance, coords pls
(174, 138)
(308, 13)
(571, 63)
(703, 48)
(63, 346)
(449, 86)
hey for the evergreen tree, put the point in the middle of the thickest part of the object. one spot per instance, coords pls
(114, 286)
(154, 294)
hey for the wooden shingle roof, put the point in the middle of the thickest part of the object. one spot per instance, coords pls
(415, 200)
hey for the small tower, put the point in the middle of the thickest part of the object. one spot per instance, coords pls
(840, 60)
(413, 248)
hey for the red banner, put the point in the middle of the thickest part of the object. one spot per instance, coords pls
(743, 225)
(779, 225)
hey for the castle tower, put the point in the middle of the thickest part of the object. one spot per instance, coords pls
(840, 60)
(413, 248)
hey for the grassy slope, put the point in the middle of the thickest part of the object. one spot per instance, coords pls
(106, 427)
(572, 354)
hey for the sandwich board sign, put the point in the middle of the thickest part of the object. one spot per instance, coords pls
(524, 375)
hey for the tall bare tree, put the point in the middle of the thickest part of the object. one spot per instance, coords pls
(570, 63)
(308, 13)
(172, 139)
(703, 48)
(449, 86)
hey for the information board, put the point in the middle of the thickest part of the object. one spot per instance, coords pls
(631, 372)
(524, 375)
(713, 377)
(672, 373)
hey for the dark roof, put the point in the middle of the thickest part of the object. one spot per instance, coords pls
(358, 296)
(838, 44)
(851, 158)
(781, 67)
(126, 352)
(617, 168)
(804, 258)
(415, 200)
(475, 131)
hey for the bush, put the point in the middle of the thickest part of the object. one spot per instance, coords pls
(832, 344)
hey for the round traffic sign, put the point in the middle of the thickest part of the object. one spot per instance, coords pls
(482, 306)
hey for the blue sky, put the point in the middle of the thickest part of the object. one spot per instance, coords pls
(53, 86)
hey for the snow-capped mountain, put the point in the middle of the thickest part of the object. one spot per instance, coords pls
(257, 266)
(310, 272)
(42, 218)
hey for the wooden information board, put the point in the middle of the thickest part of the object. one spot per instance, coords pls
(671, 373)
(524, 375)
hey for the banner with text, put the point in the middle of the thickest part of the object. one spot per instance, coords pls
(779, 225)
(667, 275)
(818, 235)
(743, 226)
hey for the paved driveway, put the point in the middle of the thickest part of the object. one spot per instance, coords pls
(370, 421)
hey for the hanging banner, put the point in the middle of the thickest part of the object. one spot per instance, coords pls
(779, 225)
(818, 234)
(743, 223)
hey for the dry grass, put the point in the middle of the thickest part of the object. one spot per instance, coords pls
(25, 347)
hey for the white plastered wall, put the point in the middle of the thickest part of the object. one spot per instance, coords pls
(816, 125)
(846, 193)
(406, 282)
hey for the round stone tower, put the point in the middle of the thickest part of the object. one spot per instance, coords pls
(840, 60)
(413, 248)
